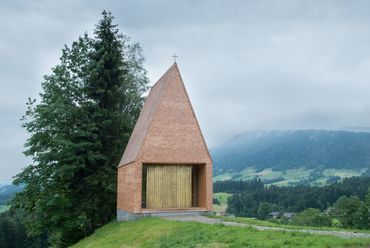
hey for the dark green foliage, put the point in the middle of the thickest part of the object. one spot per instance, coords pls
(231, 186)
(265, 208)
(7, 230)
(367, 198)
(249, 195)
(79, 130)
(352, 212)
(13, 232)
(312, 217)
(333, 179)
(216, 201)
(291, 149)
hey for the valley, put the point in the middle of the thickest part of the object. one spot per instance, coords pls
(290, 177)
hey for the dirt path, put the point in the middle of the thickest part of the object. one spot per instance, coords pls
(207, 220)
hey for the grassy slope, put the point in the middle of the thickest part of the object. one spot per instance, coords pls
(257, 222)
(293, 175)
(222, 197)
(155, 232)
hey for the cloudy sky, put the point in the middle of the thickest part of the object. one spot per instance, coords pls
(247, 65)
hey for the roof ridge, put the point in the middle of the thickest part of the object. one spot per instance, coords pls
(146, 116)
(163, 90)
(164, 74)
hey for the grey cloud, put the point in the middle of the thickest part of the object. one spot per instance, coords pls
(247, 64)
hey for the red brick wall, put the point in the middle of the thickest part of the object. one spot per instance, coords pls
(129, 188)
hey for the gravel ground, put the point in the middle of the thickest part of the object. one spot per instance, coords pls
(207, 220)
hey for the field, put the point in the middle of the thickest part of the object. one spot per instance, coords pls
(288, 177)
(222, 197)
(3, 208)
(155, 232)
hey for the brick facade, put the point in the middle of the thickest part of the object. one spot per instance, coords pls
(167, 132)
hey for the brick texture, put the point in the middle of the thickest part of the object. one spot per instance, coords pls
(167, 132)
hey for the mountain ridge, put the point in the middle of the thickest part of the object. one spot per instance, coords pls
(288, 149)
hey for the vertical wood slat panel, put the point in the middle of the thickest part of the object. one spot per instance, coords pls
(169, 186)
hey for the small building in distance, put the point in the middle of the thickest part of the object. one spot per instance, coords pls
(287, 215)
(166, 167)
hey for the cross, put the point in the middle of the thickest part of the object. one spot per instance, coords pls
(174, 56)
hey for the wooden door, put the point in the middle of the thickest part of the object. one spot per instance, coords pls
(169, 186)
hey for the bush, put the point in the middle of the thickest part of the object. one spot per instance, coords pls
(351, 212)
(312, 217)
(265, 208)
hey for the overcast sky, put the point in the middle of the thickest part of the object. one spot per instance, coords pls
(247, 65)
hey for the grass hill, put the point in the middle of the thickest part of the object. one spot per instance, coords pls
(293, 156)
(155, 232)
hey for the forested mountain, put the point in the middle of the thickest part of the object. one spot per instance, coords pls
(284, 150)
(7, 192)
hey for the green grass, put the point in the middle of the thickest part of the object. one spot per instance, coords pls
(3, 208)
(222, 197)
(155, 232)
(289, 176)
(253, 221)
(222, 177)
(343, 172)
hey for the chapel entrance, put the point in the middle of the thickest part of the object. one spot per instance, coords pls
(170, 186)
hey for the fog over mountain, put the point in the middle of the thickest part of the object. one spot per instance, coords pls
(288, 149)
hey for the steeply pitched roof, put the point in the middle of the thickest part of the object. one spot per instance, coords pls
(146, 116)
(153, 105)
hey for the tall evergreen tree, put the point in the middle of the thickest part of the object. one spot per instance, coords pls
(78, 131)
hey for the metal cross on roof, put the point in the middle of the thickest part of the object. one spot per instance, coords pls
(174, 56)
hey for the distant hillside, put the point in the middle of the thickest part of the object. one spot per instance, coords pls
(7, 192)
(292, 149)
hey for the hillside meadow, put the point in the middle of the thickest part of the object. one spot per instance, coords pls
(290, 177)
(156, 232)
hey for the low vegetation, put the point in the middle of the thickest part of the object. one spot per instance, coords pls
(155, 232)
(248, 195)
(220, 201)
(343, 204)
(274, 223)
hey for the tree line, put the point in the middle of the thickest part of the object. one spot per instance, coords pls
(13, 233)
(78, 130)
(348, 200)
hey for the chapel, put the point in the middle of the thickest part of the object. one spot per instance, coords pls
(166, 167)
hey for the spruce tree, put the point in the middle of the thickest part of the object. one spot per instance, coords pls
(78, 131)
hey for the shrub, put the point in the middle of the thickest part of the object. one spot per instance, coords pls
(312, 217)
(351, 212)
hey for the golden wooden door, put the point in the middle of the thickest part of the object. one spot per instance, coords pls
(168, 186)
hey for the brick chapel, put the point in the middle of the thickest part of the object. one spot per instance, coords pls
(166, 167)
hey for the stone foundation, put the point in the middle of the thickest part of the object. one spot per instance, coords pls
(127, 216)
